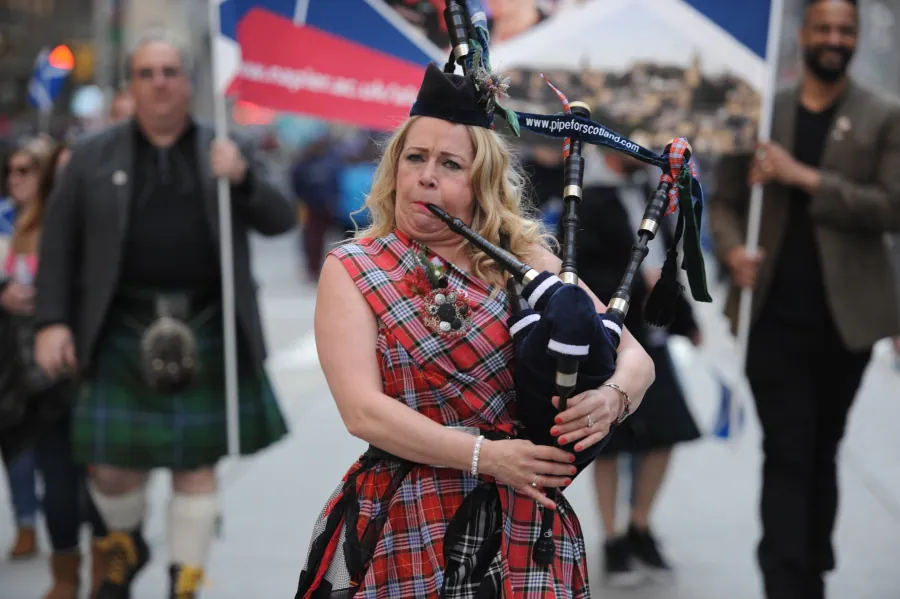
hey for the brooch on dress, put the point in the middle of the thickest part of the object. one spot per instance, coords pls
(447, 311)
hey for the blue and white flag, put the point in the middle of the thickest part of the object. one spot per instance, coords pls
(7, 216)
(46, 82)
(730, 416)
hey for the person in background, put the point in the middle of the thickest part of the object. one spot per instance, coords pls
(122, 106)
(7, 205)
(509, 18)
(66, 503)
(823, 290)
(314, 179)
(543, 165)
(616, 191)
(427, 16)
(130, 246)
(23, 185)
(354, 184)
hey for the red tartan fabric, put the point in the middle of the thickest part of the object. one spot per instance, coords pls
(458, 381)
(676, 164)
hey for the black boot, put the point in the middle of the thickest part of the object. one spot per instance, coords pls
(618, 565)
(126, 555)
(186, 581)
(647, 555)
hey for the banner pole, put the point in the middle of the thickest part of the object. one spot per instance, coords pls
(754, 216)
(226, 248)
(44, 119)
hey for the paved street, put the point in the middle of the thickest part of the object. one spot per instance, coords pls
(706, 516)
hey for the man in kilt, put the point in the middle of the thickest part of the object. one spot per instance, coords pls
(129, 301)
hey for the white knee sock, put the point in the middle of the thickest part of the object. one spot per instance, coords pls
(121, 512)
(191, 523)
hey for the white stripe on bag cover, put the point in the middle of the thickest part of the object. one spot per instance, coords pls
(612, 327)
(569, 350)
(536, 295)
(523, 323)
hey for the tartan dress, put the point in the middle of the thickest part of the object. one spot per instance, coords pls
(395, 529)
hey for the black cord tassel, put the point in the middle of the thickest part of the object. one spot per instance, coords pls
(660, 307)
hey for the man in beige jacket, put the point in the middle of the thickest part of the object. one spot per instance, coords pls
(823, 286)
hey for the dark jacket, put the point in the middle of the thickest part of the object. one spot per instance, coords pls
(86, 222)
(858, 200)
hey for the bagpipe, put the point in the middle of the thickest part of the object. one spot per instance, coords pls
(563, 346)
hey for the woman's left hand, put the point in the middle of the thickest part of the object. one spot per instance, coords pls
(587, 418)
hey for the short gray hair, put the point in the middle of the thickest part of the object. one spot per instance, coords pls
(164, 36)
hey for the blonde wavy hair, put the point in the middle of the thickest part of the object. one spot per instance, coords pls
(498, 185)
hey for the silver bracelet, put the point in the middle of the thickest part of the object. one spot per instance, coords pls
(626, 402)
(475, 454)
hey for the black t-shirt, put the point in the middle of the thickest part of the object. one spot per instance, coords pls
(798, 293)
(169, 244)
(546, 181)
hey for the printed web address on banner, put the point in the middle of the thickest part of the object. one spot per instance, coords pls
(553, 125)
(344, 87)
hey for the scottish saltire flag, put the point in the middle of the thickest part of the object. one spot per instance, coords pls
(730, 417)
(746, 22)
(46, 82)
(350, 61)
(7, 223)
(7, 216)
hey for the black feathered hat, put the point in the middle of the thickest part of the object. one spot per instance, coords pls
(474, 97)
(453, 98)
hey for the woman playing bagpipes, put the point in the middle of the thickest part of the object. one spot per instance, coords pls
(449, 374)
(411, 333)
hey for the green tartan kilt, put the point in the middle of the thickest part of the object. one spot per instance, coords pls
(119, 421)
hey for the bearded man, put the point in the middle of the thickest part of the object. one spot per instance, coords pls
(823, 290)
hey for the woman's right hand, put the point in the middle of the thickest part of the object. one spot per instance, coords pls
(527, 467)
(18, 299)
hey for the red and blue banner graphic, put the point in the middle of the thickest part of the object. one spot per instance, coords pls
(349, 61)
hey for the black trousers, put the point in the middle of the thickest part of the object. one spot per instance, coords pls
(67, 503)
(804, 381)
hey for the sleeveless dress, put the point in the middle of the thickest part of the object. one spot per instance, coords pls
(395, 529)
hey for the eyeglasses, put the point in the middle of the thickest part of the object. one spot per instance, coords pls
(148, 73)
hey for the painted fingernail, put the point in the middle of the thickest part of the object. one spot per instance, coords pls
(574, 470)
(557, 420)
(567, 482)
(562, 440)
(554, 431)
(578, 447)
(571, 458)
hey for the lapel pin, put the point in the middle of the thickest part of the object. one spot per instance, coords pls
(841, 127)
(119, 178)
